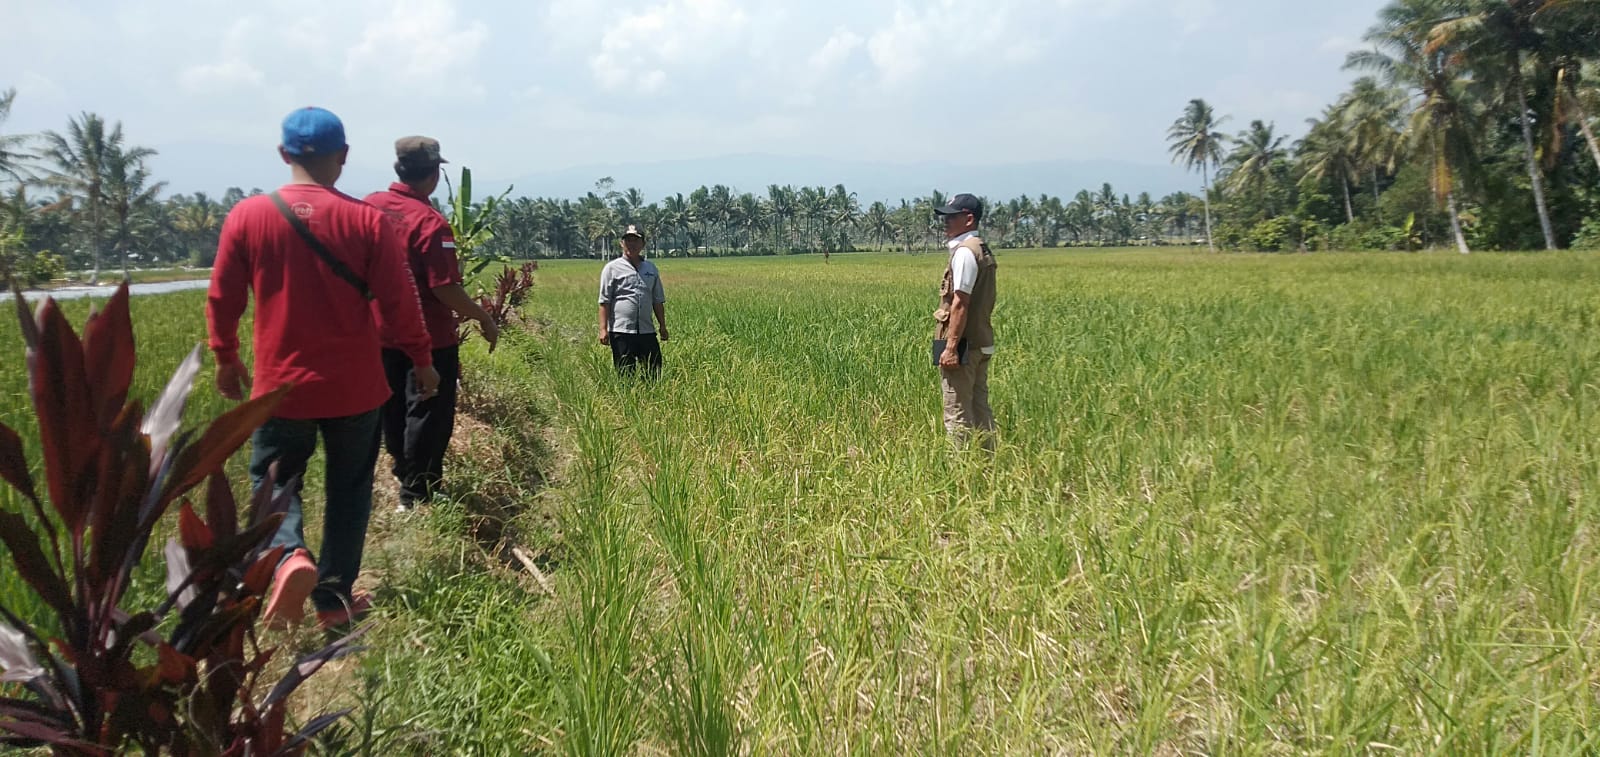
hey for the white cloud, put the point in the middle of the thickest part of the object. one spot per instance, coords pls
(900, 50)
(417, 42)
(637, 51)
(835, 51)
(925, 38)
(210, 78)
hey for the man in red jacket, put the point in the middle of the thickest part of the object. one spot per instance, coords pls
(314, 257)
(416, 429)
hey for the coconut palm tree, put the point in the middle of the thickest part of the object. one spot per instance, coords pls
(198, 220)
(1197, 144)
(1569, 33)
(1498, 39)
(130, 200)
(1256, 151)
(1440, 126)
(1326, 154)
(1373, 115)
(876, 224)
(14, 154)
(82, 162)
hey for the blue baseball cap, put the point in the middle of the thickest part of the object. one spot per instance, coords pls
(312, 131)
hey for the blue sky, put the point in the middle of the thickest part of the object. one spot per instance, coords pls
(517, 87)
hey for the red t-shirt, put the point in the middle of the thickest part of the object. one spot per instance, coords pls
(312, 328)
(432, 252)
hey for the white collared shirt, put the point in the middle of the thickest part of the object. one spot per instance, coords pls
(963, 264)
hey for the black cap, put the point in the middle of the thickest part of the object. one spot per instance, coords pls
(962, 203)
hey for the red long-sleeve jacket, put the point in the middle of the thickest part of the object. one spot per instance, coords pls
(312, 328)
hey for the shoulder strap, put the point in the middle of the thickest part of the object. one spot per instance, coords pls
(339, 268)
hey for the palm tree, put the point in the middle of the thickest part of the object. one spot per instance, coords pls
(199, 220)
(1373, 115)
(1497, 38)
(1250, 164)
(1196, 143)
(675, 217)
(845, 210)
(1326, 155)
(1082, 212)
(877, 224)
(1570, 107)
(84, 160)
(1569, 31)
(780, 214)
(13, 147)
(1441, 122)
(131, 198)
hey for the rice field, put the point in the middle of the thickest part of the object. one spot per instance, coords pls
(1241, 504)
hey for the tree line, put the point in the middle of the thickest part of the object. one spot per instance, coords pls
(1473, 128)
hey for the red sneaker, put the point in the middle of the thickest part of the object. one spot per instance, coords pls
(360, 603)
(291, 586)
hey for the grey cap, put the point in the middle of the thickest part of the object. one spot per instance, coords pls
(418, 151)
(632, 231)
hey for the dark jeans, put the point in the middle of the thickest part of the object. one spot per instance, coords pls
(417, 432)
(351, 446)
(628, 351)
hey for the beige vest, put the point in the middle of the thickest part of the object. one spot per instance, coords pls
(979, 331)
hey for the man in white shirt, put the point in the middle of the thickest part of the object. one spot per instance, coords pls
(964, 334)
(630, 292)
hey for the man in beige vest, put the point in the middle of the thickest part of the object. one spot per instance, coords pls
(966, 302)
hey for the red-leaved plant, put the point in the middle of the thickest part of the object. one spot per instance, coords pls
(511, 289)
(89, 687)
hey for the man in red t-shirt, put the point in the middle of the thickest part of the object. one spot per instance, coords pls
(313, 257)
(416, 428)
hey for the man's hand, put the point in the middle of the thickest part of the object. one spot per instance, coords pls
(233, 381)
(491, 331)
(950, 358)
(664, 336)
(605, 338)
(427, 382)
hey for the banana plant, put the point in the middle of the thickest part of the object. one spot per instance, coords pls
(473, 224)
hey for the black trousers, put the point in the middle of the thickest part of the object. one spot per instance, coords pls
(416, 432)
(629, 351)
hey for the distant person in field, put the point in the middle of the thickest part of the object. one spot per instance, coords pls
(314, 257)
(630, 291)
(966, 302)
(417, 429)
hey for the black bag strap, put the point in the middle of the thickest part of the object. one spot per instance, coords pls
(339, 268)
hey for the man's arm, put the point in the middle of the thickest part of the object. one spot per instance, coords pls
(659, 297)
(456, 298)
(443, 277)
(389, 276)
(225, 304)
(953, 330)
(605, 323)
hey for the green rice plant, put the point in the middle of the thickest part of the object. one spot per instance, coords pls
(1243, 504)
